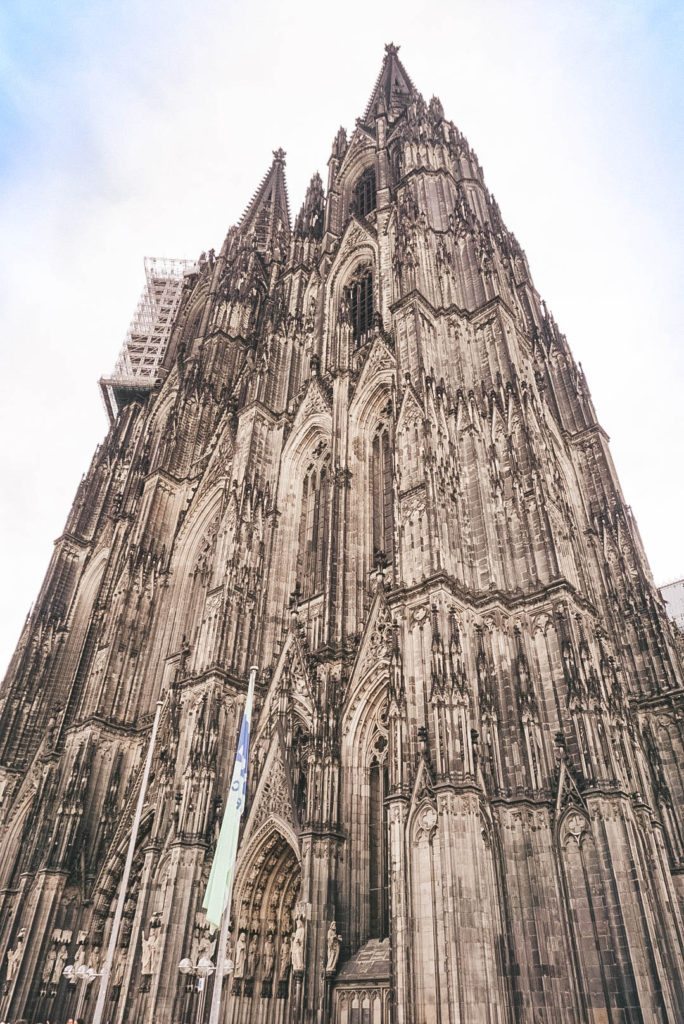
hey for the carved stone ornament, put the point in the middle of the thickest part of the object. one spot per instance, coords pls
(575, 827)
(274, 796)
(413, 504)
(426, 822)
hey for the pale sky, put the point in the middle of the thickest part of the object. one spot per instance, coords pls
(133, 128)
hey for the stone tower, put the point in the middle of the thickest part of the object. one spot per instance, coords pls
(366, 462)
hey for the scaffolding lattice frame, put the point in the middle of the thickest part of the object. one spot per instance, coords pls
(144, 347)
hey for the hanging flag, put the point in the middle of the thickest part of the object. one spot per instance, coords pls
(220, 878)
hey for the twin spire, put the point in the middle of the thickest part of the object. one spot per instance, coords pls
(393, 90)
(267, 216)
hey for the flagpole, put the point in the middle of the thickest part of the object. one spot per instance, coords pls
(225, 923)
(111, 948)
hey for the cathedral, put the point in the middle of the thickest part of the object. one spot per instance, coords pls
(354, 451)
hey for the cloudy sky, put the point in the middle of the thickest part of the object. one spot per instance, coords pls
(133, 128)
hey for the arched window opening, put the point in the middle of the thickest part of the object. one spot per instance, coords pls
(359, 300)
(378, 881)
(300, 762)
(382, 497)
(365, 196)
(313, 530)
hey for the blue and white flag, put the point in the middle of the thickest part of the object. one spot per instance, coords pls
(220, 879)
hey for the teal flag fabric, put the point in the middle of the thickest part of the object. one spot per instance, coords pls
(220, 878)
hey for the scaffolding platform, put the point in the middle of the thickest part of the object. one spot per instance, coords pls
(138, 366)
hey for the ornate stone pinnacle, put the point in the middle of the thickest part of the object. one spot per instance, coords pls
(279, 155)
(391, 50)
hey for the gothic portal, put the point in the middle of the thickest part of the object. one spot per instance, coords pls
(356, 452)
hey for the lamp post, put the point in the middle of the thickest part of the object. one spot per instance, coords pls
(202, 970)
(81, 976)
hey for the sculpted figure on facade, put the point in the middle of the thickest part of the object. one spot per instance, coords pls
(298, 941)
(240, 955)
(333, 943)
(285, 958)
(269, 956)
(14, 958)
(60, 963)
(151, 948)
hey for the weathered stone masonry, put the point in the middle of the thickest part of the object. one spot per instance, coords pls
(370, 465)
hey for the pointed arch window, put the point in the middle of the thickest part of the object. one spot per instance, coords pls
(300, 759)
(378, 874)
(382, 496)
(359, 301)
(365, 193)
(313, 529)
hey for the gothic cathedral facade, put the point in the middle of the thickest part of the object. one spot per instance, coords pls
(368, 464)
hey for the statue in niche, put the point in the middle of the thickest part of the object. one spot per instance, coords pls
(251, 960)
(334, 941)
(269, 956)
(80, 957)
(240, 955)
(298, 946)
(285, 957)
(207, 943)
(151, 952)
(14, 958)
(120, 968)
(60, 964)
(49, 965)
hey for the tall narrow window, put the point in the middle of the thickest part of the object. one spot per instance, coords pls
(359, 297)
(378, 881)
(365, 193)
(382, 499)
(313, 530)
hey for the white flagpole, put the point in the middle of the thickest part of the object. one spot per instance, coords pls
(113, 938)
(225, 923)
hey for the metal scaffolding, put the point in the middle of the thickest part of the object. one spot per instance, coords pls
(145, 344)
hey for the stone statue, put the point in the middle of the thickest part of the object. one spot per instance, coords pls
(240, 952)
(150, 951)
(252, 956)
(206, 944)
(80, 957)
(284, 967)
(60, 963)
(14, 958)
(49, 965)
(334, 942)
(298, 946)
(120, 968)
(269, 956)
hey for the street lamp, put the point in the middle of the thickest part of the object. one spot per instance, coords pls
(81, 975)
(202, 970)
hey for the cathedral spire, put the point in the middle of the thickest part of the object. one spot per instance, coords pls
(309, 220)
(393, 90)
(267, 216)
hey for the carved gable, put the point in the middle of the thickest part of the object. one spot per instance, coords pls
(274, 793)
(379, 364)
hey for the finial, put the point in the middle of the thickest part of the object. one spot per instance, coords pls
(391, 50)
(279, 155)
